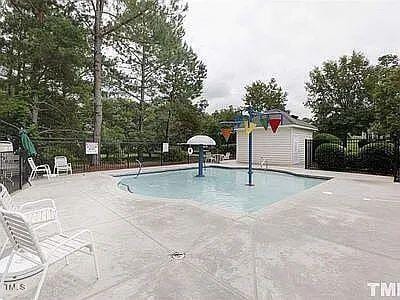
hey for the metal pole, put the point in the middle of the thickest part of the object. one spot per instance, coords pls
(201, 152)
(250, 172)
(20, 168)
(161, 156)
(397, 159)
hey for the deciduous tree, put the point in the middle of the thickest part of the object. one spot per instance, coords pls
(265, 95)
(338, 96)
(384, 85)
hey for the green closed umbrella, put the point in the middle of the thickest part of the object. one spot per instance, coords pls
(27, 143)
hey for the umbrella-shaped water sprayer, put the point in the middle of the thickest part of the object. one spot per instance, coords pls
(201, 141)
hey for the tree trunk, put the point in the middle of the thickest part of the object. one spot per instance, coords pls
(35, 110)
(168, 122)
(142, 88)
(142, 99)
(97, 101)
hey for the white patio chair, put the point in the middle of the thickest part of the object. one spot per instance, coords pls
(209, 157)
(61, 165)
(227, 156)
(45, 252)
(44, 169)
(36, 212)
(263, 162)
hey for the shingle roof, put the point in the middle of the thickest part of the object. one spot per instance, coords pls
(287, 119)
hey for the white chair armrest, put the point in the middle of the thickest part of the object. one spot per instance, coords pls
(42, 167)
(45, 224)
(72, 237)
(49, 201)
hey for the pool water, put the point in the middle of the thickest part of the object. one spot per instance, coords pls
(224, 188)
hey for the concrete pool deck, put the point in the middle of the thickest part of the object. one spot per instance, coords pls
(326, 242)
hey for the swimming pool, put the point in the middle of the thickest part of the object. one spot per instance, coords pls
(220, 187)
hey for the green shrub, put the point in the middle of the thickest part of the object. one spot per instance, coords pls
(377, 156)
(352, 160)
(177, 155)
(321, 138)
(46, 152)
(362, 143)
(330, 156)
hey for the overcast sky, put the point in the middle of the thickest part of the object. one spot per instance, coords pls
(245, 40)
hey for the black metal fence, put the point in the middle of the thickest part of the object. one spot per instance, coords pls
(354, 155)
(116, 154)
(13, 173)
(113, 155)
(14, 170)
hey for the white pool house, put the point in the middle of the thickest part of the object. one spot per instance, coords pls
(286, 147)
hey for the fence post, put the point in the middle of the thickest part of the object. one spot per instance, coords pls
(84, 154)
(20, 168)
(128, 147)
(306, 154)
(396, 171)
(161, 155)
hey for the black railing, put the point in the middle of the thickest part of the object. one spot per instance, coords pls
(14, 170)
(379, 156)
(117, 154)
(113, 155)
(397, 160)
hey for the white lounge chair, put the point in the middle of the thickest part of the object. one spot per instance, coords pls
(44, 252)
(44, 169)
(36, 212)
(61, 165)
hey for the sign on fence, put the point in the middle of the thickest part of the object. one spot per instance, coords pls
(165, 147)
(92, 148)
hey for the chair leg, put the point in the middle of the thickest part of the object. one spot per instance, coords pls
(96, 265)
(31, 176)
(3, 277)
(42, 278)
(93, 251)
(3, 248)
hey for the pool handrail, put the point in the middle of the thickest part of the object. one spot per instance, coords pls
(140, 168)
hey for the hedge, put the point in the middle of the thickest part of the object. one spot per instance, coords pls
(330, 156)
(377, 156)
(321, 138)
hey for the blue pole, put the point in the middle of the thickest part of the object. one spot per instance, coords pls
(250, 160)
(250, 172)
(201, 159)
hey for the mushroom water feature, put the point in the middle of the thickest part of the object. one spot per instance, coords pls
(201, 141)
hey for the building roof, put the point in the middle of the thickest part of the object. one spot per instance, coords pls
(287, 120)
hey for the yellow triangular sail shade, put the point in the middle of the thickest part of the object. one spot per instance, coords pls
(249, 127)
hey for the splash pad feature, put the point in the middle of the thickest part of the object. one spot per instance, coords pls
(201, 141)
(248, 116)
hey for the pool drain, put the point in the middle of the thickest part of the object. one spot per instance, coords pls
(177, 255)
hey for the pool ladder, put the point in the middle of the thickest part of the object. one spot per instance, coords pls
(140, 168)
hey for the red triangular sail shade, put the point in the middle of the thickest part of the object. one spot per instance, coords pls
(274, 123)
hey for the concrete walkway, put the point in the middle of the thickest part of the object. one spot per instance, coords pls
(327, 242)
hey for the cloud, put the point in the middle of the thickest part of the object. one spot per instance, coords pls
(217, 89)
(243, 41)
